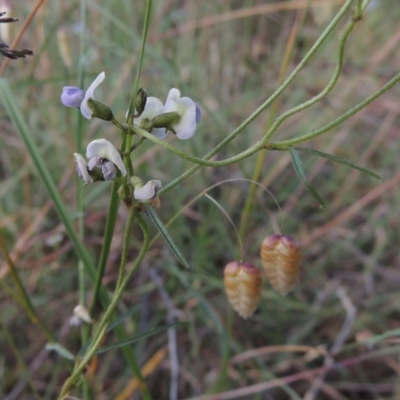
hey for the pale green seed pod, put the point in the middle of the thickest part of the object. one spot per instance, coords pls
(281, 258)
(243, 286)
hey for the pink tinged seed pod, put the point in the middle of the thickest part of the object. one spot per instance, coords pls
(281, 258)
(242, 282)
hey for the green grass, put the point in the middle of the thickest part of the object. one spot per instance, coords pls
(348, 290)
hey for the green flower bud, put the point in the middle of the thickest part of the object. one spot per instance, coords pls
(140, 104)
(136, 182)
(100, 110)
(167, 120)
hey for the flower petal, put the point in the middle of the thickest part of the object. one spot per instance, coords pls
(198, 113)
(102, 148)
(81, 312)
(148, 191)
(159, 132)
(153, 108)
(187, 110)
(81, 169)
(108, 170)
(85, 110)
(72, 96)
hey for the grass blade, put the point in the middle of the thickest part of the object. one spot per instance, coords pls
(136, 338)
(298, 167)
(160, 226)
(61, 350)
(17, 118)
(340, 160)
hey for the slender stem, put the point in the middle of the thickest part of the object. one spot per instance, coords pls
(281, 88)
(108, 235)
(85, 329)
(322, 94)
(125, 245)
(128, 141)
(263, 143)
(102, 327)
(259, 164)
(240, 243)
(291, 142)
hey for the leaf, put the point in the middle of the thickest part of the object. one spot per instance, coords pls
(339, 160)
(113, 324)
(163, 231)
(136, 338)
(298, 167)
(123, 316)
(61, 350)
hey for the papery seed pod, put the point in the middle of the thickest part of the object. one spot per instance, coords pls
(242, 282)
(281, 257)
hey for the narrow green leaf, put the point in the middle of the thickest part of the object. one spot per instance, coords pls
(136, 338)
(298, 167)
(123, 316)
(339, 160)
(17, 118)
(163, 231)
(113, 325)
(61, 350)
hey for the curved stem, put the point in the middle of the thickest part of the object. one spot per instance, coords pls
(194, 159)
(231, 222)
(281, 88)
(283, 145)
(261, 144)
(324, 92)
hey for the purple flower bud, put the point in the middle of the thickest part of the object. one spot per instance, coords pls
(72, 96)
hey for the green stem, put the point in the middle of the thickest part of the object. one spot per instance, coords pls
(281, 88)
(108, 235)
(318, 97)
(79, 195)
(291, 142)
(125, 245)
(102, 327)
(259, 163)
(128, 141)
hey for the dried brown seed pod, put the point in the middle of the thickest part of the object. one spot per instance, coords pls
(242, 282)
(281, 257)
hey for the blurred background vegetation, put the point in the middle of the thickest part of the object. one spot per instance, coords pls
(229, 56)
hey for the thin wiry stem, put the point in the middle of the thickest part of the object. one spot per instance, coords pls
(102, 326)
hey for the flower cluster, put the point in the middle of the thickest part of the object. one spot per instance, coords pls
(179, 115)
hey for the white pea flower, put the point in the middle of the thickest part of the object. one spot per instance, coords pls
(148, 191)
(81, 314)
(102, 154)
(153, 108)
(188, 111)
(82, 169)
(72, 96)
